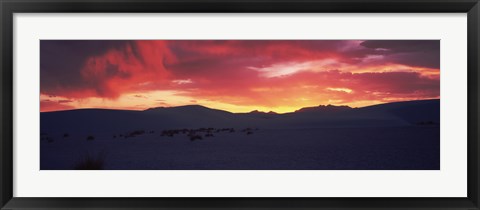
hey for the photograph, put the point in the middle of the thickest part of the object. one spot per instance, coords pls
(239, 104)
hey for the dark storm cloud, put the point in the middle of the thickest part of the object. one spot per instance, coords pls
(399, 46)
(61, 61)
(421, 53)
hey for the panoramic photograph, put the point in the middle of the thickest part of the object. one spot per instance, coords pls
(239, 105)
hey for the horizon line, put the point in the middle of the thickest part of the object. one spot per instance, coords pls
(166, 107)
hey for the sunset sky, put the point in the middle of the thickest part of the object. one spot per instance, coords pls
(235, 75)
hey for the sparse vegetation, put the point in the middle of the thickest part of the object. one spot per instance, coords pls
(134, 133)
(195, 137)
(170, 133)
(249, 131)
(91, 163)
(197, 134)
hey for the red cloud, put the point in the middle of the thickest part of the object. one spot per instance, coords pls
(248, 72)
(318, 86)
(124, 68)
(48, 105)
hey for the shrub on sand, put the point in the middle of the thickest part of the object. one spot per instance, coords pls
(195, 137)
(90, 162)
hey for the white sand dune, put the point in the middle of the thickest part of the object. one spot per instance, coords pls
(402, 135)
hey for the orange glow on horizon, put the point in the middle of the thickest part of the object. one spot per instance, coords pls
(124, 104)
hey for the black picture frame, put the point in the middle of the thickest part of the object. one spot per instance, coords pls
(9, 7)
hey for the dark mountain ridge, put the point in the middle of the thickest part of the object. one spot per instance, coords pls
(325, 108)
(389, 114)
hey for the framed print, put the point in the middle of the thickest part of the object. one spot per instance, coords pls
(252, 105)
